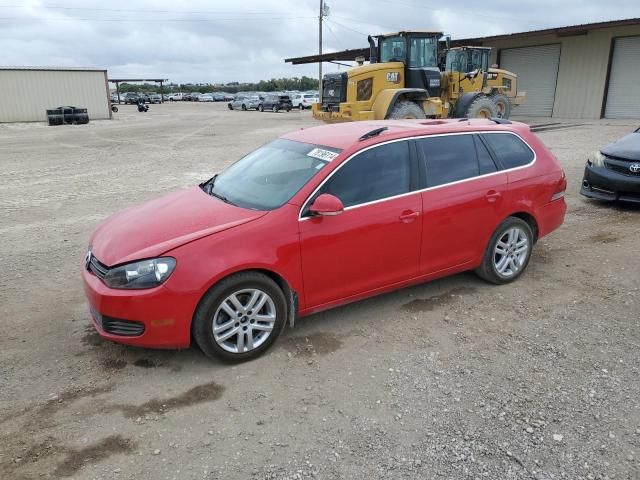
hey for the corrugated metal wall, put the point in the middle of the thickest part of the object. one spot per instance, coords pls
(584, 63)
(26, 94)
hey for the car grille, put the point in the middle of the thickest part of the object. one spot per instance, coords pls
(118, 326)
(621, 166)
(97, 268)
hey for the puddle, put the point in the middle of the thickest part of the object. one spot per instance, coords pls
(77, 458)
(431, 303)
(313, 344)
(208, 392)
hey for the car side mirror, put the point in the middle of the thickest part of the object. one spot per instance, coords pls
(326, 205)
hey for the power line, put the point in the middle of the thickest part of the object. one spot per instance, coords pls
(128, 10)
(152, 20)
(344, 26)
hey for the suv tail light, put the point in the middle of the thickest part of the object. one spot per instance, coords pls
(560, 188)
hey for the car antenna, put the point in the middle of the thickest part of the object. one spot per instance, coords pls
(373, 133)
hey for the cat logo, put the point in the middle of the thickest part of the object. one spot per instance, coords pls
(393, 77)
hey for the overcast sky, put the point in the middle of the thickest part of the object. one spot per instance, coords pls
(247, 40)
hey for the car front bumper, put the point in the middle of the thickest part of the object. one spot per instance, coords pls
(154, 318)
(604, 184)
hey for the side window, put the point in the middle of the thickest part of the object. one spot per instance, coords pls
(377, 173)
(449, 158)
(508, 149)
(485, 162)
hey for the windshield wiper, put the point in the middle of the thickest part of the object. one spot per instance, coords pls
(208, 188)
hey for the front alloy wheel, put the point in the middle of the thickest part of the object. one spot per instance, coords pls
(244, 320)
(240, 317)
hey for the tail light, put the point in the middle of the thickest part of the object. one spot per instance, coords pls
(560, 188)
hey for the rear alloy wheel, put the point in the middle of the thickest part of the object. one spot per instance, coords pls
(240, 317)
(503, 105)
(261, 108)
(508, 252)
(482, 107)
(405, 109)
(274, 109)
(244, 107)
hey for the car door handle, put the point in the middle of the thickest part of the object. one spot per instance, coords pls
(409, 216)
(492, 196)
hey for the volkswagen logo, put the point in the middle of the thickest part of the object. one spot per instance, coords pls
(634, 168)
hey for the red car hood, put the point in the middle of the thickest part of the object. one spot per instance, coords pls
(160, 225)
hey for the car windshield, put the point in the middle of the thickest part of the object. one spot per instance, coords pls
(268, 177)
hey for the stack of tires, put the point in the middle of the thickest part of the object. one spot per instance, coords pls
(67, 115)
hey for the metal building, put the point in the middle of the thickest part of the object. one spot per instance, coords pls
(27, 92)
(580, 71)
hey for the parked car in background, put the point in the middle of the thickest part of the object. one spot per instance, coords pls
(131, 98)
(205, 97)
(193, 96)
(218, 97)
(293, 228)
(276, 103)
(176, 97)
(239, 103)
(304, 100)
(155, 98)
(252, 102)
(229, 97)
(613, 173)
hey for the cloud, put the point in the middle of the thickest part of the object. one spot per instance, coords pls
(216, 41)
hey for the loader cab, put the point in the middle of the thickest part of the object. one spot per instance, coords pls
(419, 53)
(467, 59)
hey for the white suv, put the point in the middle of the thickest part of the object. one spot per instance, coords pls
(304, 100)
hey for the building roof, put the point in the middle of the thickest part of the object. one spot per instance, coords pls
(53, 69)
(582, 29)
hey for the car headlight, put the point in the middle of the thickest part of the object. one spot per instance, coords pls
(597, 159)
(142, 274)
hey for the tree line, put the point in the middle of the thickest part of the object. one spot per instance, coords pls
(274, 85)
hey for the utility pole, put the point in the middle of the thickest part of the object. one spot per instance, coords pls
(320, 47)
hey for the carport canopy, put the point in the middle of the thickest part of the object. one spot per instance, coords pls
(118, 81)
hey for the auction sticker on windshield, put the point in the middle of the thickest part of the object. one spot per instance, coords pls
(322, 154)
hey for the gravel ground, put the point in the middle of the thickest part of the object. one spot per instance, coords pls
(454, 379)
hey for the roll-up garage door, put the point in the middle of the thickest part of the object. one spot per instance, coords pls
(623, 95)
(537, 70)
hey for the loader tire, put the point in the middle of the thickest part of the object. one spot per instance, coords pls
(503, 105)
(482, 107)
(406, 109)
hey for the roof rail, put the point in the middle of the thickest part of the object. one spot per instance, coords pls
(373, 133)
(501, 121)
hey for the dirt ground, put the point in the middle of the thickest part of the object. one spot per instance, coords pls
(454, 379)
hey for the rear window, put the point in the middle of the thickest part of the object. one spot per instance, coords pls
(449, 158)
(508, 149)
(284, 97)
(309, 96)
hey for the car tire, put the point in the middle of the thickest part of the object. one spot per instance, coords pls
(301, 107)
(274, 109)
(288, 110)
(405, 109)
(261, 108)
(242, 288)
(244, 107)
(230, 106)
(508, 252)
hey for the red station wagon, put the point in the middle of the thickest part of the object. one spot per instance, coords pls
(318, 218)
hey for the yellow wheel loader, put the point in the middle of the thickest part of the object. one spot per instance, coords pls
(403, 80)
